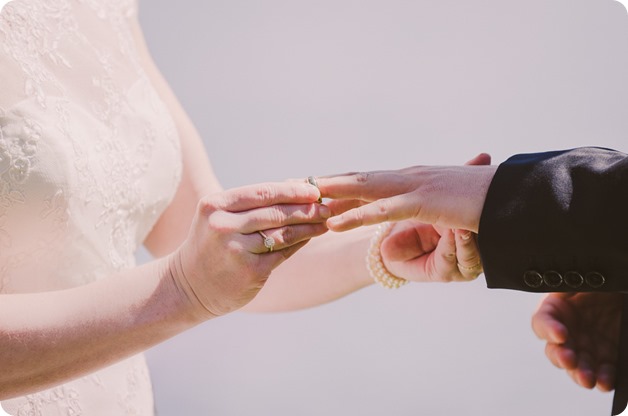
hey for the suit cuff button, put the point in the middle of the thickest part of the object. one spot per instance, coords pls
(595, 279)
(573, 279)
(533, 279)
(552, 279)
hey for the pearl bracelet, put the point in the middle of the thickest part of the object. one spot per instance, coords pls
(374, 262)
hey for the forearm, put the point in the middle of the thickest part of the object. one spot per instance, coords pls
(51, 337)
(48, 338)
(328, 268)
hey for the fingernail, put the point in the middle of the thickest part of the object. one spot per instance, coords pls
(324, 210)
(465, 235)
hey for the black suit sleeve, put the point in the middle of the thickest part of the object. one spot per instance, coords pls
(557, 222)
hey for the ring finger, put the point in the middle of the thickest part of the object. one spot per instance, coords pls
(275, 239)
(280, 215)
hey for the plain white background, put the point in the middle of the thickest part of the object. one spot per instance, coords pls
(291, 88)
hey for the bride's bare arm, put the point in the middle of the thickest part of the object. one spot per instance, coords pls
(51, 337)
(197, 179)
(48, 338)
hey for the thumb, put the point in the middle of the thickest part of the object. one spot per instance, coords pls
(481, 159)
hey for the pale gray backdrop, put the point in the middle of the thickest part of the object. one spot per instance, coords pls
(290, 88)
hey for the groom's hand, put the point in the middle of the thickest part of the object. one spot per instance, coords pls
(427, 253)
(445, 196)
(581, 331)
(424, 253)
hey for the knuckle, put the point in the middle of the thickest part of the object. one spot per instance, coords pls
(265, 193)
(217, 223)
(289, 235)
(208, 204)
(419, 209)
(234, 249)
(362, 177)
(276, 215)
(383, 207)
(311, 211)
(355, 216)
(450, 258)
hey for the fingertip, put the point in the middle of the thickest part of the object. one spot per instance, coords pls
(585, 372)
(566, 358)
(546, 328)
(558, 333)
(485, 157)
(606, 378)
(586, 378)
(480, 159)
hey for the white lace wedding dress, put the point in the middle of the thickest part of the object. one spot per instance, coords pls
(89, 158)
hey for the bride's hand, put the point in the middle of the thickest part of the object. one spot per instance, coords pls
(425, 253)
(445, 196)
(227, 258)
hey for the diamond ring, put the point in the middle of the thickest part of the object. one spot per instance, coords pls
(269, 242)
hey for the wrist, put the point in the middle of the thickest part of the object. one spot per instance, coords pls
(187, 300)
(482, 182)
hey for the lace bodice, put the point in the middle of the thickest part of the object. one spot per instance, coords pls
(89, 158)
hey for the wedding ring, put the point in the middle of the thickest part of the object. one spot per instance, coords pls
(269, 242)
(312, 181)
